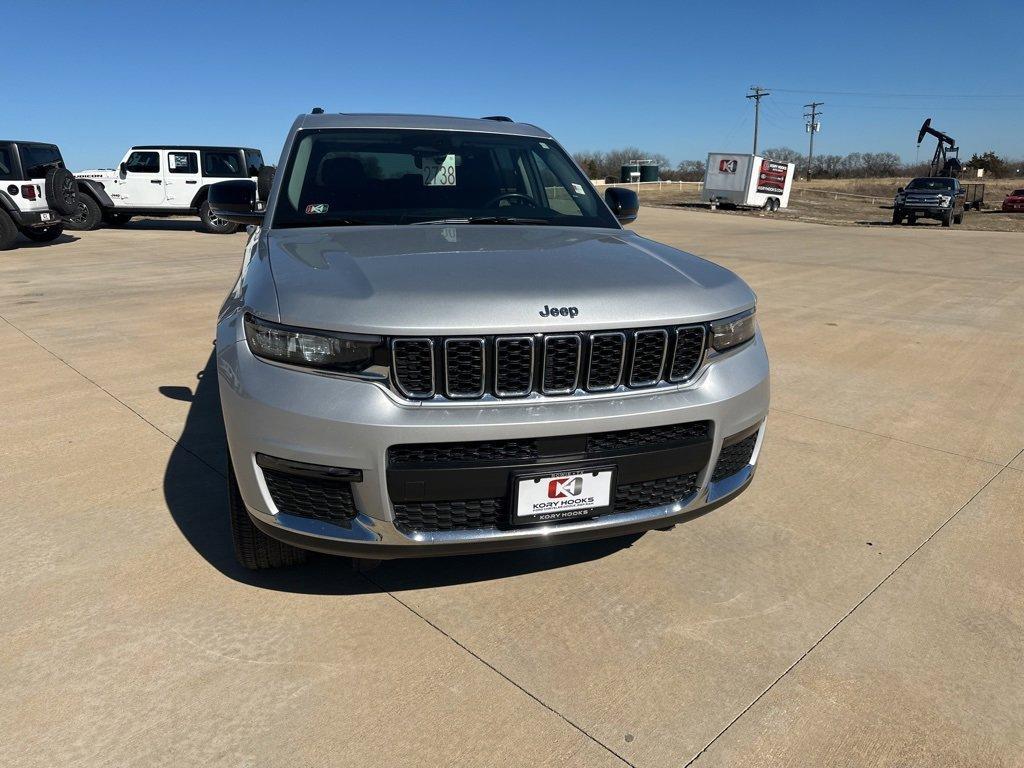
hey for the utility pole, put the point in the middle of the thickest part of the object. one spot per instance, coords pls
(758, 94)
(812, 127)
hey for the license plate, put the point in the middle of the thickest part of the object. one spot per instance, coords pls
(44, 217)
(556, 496)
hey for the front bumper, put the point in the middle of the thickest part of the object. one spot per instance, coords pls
(323, 420)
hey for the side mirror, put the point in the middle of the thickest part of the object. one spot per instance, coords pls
(624, 203)
(899, 189)
(235, 201)
(123, 168)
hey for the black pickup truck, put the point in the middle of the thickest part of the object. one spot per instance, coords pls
(936, 197)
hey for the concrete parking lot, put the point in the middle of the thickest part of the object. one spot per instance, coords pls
(861, 605)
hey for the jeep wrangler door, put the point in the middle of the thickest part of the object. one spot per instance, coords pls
(141, 179)
(181, 177)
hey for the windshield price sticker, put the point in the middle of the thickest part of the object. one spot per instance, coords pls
(438, 172)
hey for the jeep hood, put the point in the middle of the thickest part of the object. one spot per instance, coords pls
(455, 279)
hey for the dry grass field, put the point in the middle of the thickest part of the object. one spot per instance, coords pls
(832, 201)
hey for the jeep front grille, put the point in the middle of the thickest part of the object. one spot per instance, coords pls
(464, 368)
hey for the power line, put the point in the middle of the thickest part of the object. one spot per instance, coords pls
(758, 94)
(906, 95)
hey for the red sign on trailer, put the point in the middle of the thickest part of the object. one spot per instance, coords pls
(772, 179)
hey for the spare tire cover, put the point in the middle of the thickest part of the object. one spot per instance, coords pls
(62, 191)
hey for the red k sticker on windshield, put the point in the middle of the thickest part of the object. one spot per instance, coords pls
(317, 208)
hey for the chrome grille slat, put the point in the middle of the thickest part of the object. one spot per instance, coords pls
(514, 359)
(607, 360)
(560, 374)
(413, 368)
(688, 352)
(465, 368)
(649, 351)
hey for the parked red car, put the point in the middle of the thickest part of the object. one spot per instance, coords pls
(1014, 202)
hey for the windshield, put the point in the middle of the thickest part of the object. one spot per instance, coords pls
(351, 176)
(943, 184)
(1015, 193)
(36, 159)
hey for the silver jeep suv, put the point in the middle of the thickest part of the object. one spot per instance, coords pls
(443, 341)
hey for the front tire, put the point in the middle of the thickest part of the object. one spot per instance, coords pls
(8, 232)
(897, 216)
(253, 548)
(947, 219)
(212, 224)
(86, 217)
(45, 235)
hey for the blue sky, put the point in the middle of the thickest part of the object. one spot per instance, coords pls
(668, 77)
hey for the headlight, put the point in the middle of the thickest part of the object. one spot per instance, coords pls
(945, 200)
(331, 351)
(732, 331)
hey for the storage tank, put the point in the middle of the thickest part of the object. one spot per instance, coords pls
(647, 171)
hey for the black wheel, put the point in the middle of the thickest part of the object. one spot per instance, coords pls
(214, 225)
(116, 219)
(911, 219)
(897, 216)
(61, 191)
(87, 215)
(44, 235)
(947, 218)
(253, 548)
(8, 232)
(959, 218)
(776, 204)
(264, 181)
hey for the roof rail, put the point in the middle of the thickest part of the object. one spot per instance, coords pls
(317, 111)
(499, 118)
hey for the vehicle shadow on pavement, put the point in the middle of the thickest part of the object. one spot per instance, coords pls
(24, 242)
(196, 495)
(161, 224)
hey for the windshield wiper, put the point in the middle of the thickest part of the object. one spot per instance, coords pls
(484, 220)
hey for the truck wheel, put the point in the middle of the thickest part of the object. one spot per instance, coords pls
(776, 204)
(897, 216)
(116, 219)
(87, 215)
(911, 219)
(61, 191)
(253, 548)
(44, 235)
(214, 225)
(8, 232)
(959, 218)
(947, 219)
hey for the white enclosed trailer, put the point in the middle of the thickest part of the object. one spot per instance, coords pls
(749, 181)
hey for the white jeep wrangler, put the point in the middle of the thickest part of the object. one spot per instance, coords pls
(165, 180)
(36, 190)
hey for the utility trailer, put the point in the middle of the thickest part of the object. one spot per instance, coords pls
(747, 181)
